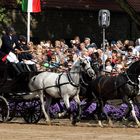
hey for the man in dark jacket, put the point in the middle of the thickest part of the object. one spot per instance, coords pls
(9, 41)
(8, 49)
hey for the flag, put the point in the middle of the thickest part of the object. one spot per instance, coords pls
(31, 6)
(4, 58)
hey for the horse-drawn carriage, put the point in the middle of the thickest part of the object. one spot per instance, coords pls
(20, 94)
(12, 90)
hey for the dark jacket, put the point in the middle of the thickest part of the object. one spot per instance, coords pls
(24, 55)
(7, 43)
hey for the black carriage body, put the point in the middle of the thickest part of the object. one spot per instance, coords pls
(10, 82)
(13, 87)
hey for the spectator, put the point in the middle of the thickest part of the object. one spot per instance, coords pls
(38, 57)
(137, 44)
(82, 47)
(87, 42)
(24, 55)
(63, 44)
(76, 42)
(114, 57)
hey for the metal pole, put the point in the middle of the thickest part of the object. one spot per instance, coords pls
(28, 26)
(104, 49)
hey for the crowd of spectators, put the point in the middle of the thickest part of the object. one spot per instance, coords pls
(117, 56)
(58, 56)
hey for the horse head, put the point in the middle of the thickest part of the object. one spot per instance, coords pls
(86, 67)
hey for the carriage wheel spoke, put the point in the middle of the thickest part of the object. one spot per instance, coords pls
(32, 111)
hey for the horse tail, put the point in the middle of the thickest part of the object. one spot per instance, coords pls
(31, 94)
(32, 81)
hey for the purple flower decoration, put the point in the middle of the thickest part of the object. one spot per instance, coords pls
(115, 112)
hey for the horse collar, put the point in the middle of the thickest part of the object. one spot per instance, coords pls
(71, 80)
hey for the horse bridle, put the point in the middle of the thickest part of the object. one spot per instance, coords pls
(71, 80)
(83, 81)
(89, 73)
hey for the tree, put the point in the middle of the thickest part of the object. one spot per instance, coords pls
(4, 17)
(130, 11)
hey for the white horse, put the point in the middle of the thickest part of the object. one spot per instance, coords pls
(60, 85)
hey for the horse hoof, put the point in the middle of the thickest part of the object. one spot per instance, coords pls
(124, 119)
(100, 124)
(77, 120)
(138, 125)
(111, 124)
(56, 116)
(73, 122)
(48, 123)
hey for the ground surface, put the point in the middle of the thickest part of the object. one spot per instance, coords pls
(63, 130)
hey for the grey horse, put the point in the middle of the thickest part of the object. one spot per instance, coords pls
(64, 85)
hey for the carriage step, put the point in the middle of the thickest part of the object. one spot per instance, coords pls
(17, 95)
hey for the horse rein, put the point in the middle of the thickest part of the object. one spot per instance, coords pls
(130, 81)
(92, 76)
(58, 83)
(86, 84)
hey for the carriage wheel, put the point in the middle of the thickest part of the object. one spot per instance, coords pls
(4, 109)
(15, 108)
(32, 111)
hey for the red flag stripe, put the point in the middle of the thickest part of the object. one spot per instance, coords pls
(36, 6)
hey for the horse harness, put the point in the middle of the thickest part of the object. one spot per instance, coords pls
(58, 84)
(129, 81)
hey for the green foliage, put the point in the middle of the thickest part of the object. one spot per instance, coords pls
(19, 2)
(128, 8)
(4, 17)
